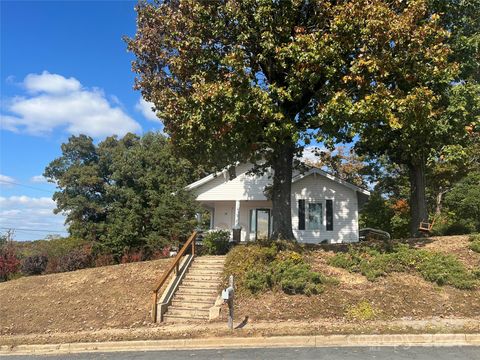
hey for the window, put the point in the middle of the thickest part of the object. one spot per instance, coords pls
(253, 221)
(329, 215)
(301, 214)
(314, 216)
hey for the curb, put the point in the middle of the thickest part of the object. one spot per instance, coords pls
(245, 342)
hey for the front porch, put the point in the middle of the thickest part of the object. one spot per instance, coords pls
(252, 217)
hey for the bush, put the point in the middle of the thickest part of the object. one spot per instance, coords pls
(256, 281)
(75, 260)
(362, 311)
(374, 262)
(257, 268)
(474, 243)
(216, 242)
(34, 265)
(9, 262)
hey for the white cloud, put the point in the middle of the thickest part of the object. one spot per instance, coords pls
(33, 217)
(6, 180)
(145, 108)
(39, 179)
(311, 153)
(50, 83)
(26, 200)
(58, 102)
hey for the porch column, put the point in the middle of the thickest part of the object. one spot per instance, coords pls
(237, 215)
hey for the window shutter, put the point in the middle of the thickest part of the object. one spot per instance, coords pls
(301, 214)
(329, 215)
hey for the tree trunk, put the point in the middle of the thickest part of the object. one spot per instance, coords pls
(418, 202)
(439, 199)
(282, 163)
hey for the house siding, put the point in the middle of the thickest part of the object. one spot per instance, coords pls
(243, 187)
(222, 193)
(317, 188)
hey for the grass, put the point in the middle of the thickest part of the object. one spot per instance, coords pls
(474, 243)
(362, 311)
(375, 261)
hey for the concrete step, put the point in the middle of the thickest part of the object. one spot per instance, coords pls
(208, 261)
(193, 304)
(195, 298)
(196, 291)
(201, 278)
(190, 312)
(201, 284)
(183, 319)
(200, 271)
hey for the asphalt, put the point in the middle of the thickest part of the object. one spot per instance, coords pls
(334, 353)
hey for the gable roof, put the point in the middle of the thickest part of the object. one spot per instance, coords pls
(295, 178)
(315, 170)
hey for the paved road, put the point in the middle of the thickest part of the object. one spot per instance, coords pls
(354, 353)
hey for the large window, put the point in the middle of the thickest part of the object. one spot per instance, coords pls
(314, 216)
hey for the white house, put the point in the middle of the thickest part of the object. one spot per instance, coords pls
(324, 207)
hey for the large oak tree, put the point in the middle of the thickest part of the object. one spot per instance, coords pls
(247, 80)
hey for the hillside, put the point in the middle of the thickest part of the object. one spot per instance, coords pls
(104, 297)
(118, 297)
(393, 297)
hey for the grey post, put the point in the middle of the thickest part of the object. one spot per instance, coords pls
(230, 304)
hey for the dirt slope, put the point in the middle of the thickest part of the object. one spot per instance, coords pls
(118, 297)
(104, 297)
(395, 296)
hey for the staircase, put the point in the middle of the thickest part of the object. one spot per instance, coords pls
(198, 290)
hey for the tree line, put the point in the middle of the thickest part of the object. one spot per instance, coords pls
(124, 194)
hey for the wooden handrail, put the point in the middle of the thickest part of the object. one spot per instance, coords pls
(174, 266)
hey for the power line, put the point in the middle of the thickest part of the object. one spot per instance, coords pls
(33, 230)
(26, 186)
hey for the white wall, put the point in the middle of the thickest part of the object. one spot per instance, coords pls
(317, 188)
(224, 217)
(222, 193)
(243, 187)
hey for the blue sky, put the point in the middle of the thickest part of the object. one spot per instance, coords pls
(64, 70)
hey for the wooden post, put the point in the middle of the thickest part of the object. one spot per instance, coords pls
(230, 304)
(154, 307)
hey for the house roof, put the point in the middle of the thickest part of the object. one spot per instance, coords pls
(295, 178)
(331, 177)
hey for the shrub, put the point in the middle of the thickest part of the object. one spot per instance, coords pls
(34, 265)
(258, 268)
(104, 260)
(362, 311)
(474, 243)
(256, 281)
(132, 256)
(75, 260)
(216, 242)
(434, 267)
(9, 262)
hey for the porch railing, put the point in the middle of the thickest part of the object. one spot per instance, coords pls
(174, 267)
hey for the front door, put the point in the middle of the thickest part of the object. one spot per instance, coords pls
(262, 223)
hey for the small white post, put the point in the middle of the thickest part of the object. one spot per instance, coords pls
(237, 215)
(230, 303)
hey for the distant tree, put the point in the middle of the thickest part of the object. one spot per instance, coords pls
(123, 193)
(344, 164)
(463, 202)
(82, 183)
